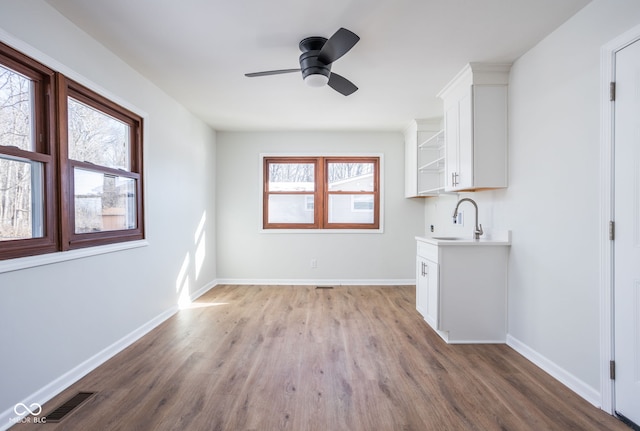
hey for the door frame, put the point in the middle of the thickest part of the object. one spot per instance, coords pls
(607, 348)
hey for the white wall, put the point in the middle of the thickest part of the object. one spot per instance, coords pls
(552, 203)
(55, 317)
(248, 255)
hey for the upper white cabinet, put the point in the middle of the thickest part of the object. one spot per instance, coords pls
(475, 128)
(424, 158)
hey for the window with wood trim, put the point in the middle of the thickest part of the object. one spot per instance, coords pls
(28, 200)
(321, 192)
(102, 168)
(70, 163)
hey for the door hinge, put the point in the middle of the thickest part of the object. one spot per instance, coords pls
(612, 230)
(612, 370)
(612, 91)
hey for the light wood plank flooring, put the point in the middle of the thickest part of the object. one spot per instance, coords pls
(299, 358)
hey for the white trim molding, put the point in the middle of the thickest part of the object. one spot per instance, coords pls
(563, 376)
(62, 256)
(607, 75)
(318, 282)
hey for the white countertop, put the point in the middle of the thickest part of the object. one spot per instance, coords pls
(501, 239)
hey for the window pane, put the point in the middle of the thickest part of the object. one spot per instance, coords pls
(291, 209)
(351, 177)
(16, 110)
(21, 199)
(103, 202)
(97, 137)
(289, 177)
(351, 209)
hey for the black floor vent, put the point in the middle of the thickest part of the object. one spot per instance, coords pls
(324, 287)
(58, 414)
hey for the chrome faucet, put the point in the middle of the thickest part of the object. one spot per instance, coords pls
(478, 230)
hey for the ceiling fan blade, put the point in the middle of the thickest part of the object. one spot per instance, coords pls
(337, 45)
(341, 85)
(271, 72)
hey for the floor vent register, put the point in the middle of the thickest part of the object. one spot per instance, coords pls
(68, 406)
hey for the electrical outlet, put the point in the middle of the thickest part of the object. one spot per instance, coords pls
(459, 219)
(314, 263)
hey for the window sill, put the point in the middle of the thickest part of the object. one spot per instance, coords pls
(50, 258)
(322, 231)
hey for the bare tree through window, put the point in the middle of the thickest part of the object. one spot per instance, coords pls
(17, 176)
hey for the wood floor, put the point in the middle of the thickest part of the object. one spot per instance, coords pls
(299, 358)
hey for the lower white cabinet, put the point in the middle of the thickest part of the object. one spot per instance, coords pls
(461, 289)
(427, 290)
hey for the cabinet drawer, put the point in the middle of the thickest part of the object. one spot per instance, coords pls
(428, 251)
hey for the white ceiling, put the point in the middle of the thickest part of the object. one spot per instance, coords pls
(199, 50)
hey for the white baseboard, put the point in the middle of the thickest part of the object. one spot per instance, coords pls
(8, 418)
(198, 293)
(563, 376)
(317, 282)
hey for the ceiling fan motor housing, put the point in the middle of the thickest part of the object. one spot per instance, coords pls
(309, 63)
(318, 54)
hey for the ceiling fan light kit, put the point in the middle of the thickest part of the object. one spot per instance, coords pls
(316, 80)
(318, 54)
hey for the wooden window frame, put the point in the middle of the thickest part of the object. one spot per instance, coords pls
(321, 192)
(375, 193)
(51, 91)
(44, 152)
(317, 209)
(70, 239)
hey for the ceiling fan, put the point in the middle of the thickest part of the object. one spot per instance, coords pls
(318, 54)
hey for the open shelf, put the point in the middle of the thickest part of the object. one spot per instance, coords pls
(433, 166)
(424, 158)
(431, 161)
(431, 191)
(435, 141)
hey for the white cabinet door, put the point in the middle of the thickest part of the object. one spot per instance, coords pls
(459, 141)
(421, 286)
(427, 290)
(475, 109)
(432, 289)
(464, 177)
(452, 144)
